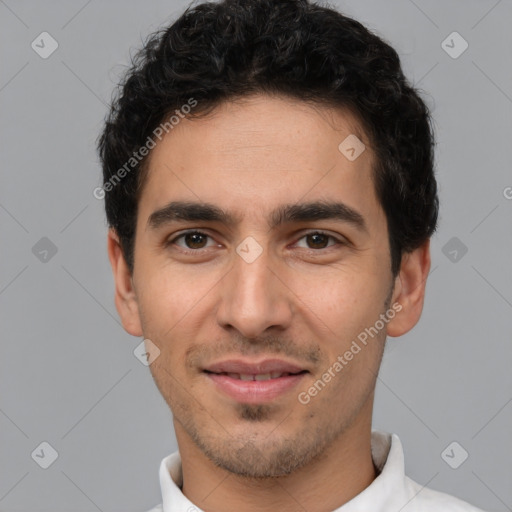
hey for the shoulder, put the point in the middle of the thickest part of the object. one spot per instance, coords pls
(423, 499)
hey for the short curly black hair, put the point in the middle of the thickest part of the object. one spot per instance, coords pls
(216, 52)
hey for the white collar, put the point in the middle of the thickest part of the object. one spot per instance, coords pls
(391, 491)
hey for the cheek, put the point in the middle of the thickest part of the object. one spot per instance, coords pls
(167, 295)
(175, 306)
(343, 299)
(340, 310)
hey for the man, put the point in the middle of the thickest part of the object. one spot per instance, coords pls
(269, 185)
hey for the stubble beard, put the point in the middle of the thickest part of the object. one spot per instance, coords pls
(259, 457)
(266, 454)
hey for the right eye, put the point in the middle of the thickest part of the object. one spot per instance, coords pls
(194, 241)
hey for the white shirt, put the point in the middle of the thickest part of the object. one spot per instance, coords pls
(391, 491)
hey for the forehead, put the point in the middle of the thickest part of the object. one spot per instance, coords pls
(252, 155)
(273, 129)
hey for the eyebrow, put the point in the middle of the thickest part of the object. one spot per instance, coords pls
(289, 213)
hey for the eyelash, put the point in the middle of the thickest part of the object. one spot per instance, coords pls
(168, 243)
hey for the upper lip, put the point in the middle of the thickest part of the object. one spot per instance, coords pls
(253, 368)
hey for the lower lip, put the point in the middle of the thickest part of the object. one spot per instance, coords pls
(255, 391)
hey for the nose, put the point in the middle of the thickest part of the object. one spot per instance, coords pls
(254, 297)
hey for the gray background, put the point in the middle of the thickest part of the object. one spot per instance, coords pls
(68, 373)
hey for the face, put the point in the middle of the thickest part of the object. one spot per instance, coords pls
(253, 300)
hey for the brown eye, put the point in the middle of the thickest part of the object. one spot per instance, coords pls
(191, 240)
(195, 240)
(319, 240)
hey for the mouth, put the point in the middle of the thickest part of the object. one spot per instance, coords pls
(256, 376)
(248, 382)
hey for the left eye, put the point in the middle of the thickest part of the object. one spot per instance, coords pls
(319, 239)
(196, 240)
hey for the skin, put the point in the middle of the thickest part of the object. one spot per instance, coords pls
(304, 300)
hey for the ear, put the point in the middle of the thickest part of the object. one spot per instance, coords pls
(125, 297)
(409, 290)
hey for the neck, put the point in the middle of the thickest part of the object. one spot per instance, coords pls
(342, 472)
